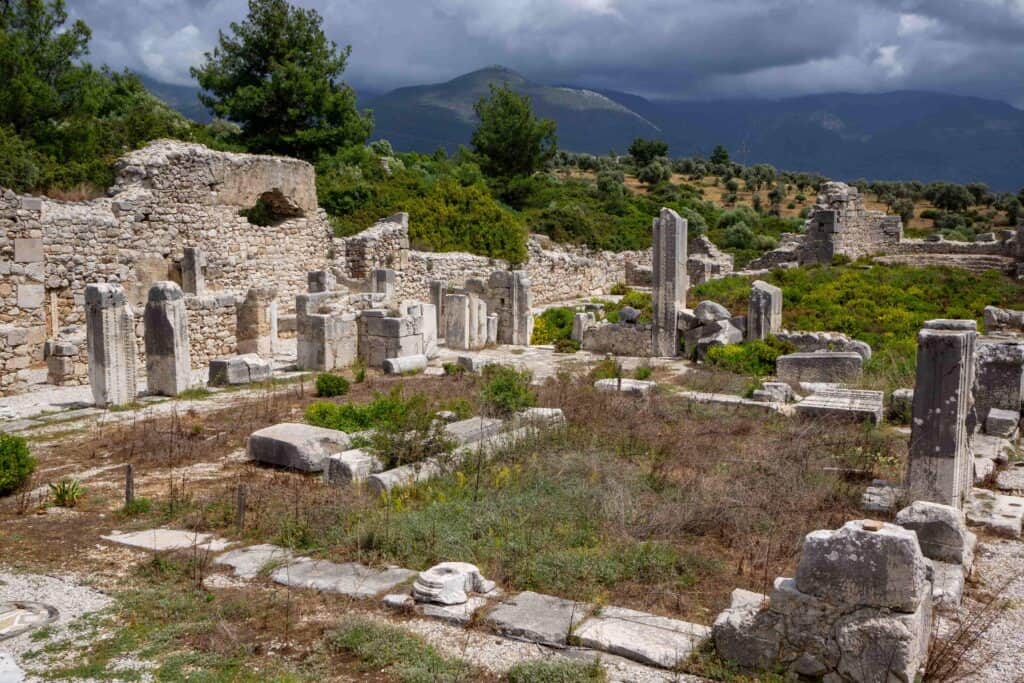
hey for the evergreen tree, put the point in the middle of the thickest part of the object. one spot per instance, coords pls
(510, 141)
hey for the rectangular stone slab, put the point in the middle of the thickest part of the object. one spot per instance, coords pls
(298, 446)
(642, 637)
(349, 578)
(851, 404)
(249, 562)
(158, 540)
(537, 618)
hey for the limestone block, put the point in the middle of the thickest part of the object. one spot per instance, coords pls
(236, 370)
(28, 250)
(642, 637)
(193, 262)
(848, 404)
(348, 578)
(405, 364)
(537, 618)
(257, 322)
(941, 531)
(864, 563)
(717, 333)
(1002, 423)
(710, 311)
(881, 646)
(901, 405)
(296, 446)
(821, 366)
(318, 281)
(746, 632)
(635, 387)
(580, 323)
(31, 296)
(350, 467)
(670, 280)
(168, 360)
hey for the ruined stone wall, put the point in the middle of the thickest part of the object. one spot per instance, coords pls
(167, 196)
(556, 272)
(839, 224)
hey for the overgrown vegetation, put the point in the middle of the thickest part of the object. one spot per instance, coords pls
(883, 305)
(395, 651)
(16, 463)
(557, 671)
(506, 390)
(383, 410)
(755, 358)
(329, 384)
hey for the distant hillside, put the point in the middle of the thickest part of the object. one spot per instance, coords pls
(184, 98)
(422, 118)
(899, 136)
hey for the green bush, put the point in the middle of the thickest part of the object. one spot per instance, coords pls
(552, 325)
(66, 493)
(609, 368)
(328, 384)
(506, 390)
(557, 671)
(453, 369)
(755, 358)
(348, 417)
(566, 346)
(16, 463)
(618, 289)
(643, 372)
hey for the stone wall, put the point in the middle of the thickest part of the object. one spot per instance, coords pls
(557, 272)
(167, 196)
(839, 224)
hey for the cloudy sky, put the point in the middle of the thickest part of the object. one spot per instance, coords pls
(659, 48)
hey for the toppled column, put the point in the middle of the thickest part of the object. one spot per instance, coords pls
(257, 322)
(110, 335)
(192, 263)
(670, 280)
(764, 312)
(168, 363)
(939, 458)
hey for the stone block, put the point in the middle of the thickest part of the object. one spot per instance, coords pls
(876, 645)
(250, 562)
(999, 514)
(473, 429)
(717, 333)
(297, 446)
(450, 583)
(941, 531)
(635, 387)
(237, 370)
(320, 281)
(537, 618)
(670, 280)
(193, 263)
(349, 578)
(642, 637)
(257, 322)
(849, 404)
(865, 564)
(581, 322)
(405, 364)
(1002, 423)
(999, 375)
(350, 467)
(31, 296)
(901, 405)
(821, 366)
(984, 469)
(746, 633)
(28, 250)
(710, 311)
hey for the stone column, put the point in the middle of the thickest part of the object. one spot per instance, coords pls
(438, 292)
(257, 322)
(670, 280)
(457, 321)
(764, 313)
(939, 467)
(110, 336)
(168, 363)
(192, 263)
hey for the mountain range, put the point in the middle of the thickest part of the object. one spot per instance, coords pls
(903, 135)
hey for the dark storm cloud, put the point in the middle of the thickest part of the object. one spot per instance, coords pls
(667, 48)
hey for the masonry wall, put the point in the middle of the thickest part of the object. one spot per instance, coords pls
(839, 224)
(167, 196)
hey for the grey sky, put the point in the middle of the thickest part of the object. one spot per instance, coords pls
(659, 48)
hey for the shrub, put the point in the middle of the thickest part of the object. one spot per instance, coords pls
(552, 325)
(359, 371)
(609, 368)
(348, 417)
(643, 372)
(756, 358)
(618, 289)
(566, 346)
(453, 369)
(66, 492)
(328, 384)
(506, 390)
(410, 434)
(16, 463)
(557, 671)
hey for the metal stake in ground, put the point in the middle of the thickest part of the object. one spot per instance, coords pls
(129, 485)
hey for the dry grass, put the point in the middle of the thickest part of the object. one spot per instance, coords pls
(82, 192)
